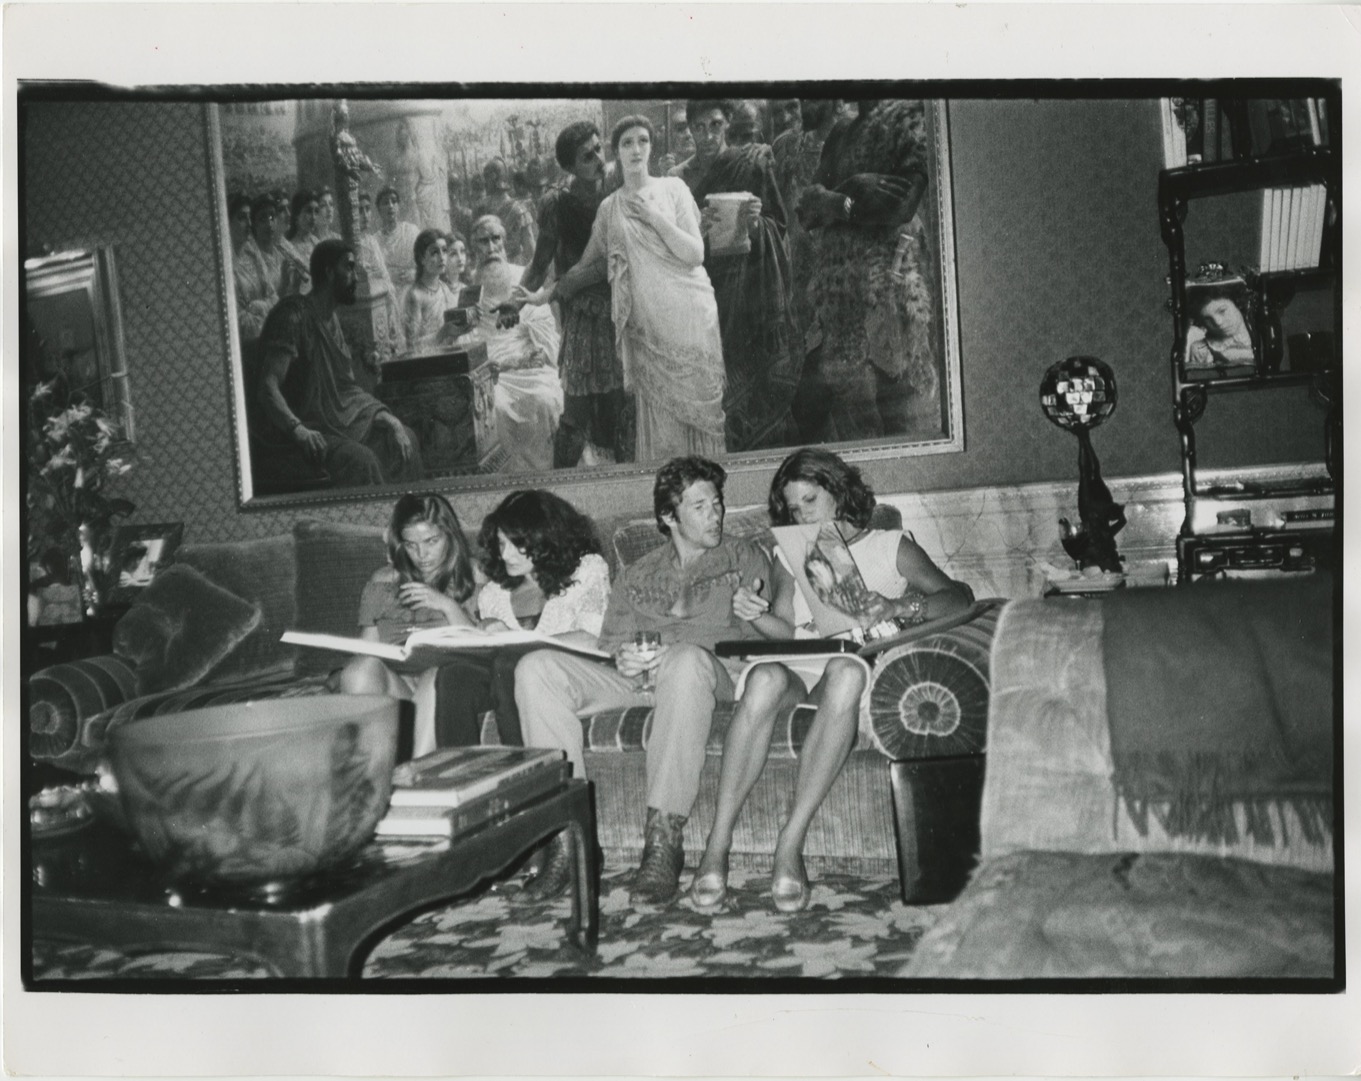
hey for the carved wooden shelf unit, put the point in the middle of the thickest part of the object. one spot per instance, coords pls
(1200, 551)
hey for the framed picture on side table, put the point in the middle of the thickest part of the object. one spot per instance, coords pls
(139, 551)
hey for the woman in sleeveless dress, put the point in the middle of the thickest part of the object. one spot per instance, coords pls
(647, 236)
(814, 486)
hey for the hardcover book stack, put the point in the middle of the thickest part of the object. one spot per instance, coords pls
(458, 789)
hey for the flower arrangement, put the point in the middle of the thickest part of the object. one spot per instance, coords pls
(74, 449)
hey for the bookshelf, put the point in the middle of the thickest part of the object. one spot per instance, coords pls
(1265, 541)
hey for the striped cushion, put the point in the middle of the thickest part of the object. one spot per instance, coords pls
(61, 697)
(929, 698)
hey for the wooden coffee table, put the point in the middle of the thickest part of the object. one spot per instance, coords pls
(93, 887)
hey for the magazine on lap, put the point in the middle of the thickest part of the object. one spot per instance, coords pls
(830, 581)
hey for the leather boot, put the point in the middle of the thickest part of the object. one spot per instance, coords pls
(658, 876)
(556, 874)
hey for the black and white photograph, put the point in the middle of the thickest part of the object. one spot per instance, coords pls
(431, 645)
(138, 554)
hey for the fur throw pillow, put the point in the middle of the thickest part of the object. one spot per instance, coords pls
(181, 627)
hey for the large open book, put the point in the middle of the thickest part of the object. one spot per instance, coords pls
(434, 639)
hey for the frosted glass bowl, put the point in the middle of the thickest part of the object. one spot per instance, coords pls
(257, 794)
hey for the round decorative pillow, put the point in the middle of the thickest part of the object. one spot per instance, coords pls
(929, 698)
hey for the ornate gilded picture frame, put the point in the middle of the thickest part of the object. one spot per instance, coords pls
(839, 327)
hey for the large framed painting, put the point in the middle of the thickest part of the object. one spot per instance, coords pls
(530, 305)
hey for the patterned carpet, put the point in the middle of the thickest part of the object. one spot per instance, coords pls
(854, 927)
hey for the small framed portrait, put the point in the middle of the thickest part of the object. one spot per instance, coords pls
(1221, 325)
(138, 552)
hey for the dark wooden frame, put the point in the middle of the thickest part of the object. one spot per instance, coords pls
(124, 537)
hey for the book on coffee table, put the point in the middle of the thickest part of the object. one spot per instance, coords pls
(404, 820)
(455, 776)
(432, 639)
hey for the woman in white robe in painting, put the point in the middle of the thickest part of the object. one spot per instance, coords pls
(647, 235)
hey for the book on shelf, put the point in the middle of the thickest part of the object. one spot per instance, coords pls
(1209, 126)
(455, 776)
(432, 639)
(1317, 223)
(1174, 135)
(1264, 236)
(1294, 217)
(430, 820)
(1281, 208)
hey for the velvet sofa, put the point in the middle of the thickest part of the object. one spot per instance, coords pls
(209, 634)
(1158, 800)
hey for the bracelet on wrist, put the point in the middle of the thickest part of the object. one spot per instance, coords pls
(916, 608)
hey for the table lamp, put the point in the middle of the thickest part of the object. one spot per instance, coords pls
(1077, 394)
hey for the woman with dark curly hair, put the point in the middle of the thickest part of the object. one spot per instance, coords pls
(546, 570)
(546, 574)
(813, 486)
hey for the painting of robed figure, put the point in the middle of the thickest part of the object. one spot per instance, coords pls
(477, 290)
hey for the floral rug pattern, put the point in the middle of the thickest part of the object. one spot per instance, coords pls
(853, 927)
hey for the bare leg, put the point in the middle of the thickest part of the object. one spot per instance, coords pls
(369, 675)
(825, 751)
(424, 740)
(769, 689)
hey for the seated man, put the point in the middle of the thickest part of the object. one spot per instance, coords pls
(698, 589)
(524, 352)
(307, 390)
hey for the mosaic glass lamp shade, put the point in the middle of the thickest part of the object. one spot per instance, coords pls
(1077, 394)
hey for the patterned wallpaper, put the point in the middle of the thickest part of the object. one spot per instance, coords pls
(1058, 253)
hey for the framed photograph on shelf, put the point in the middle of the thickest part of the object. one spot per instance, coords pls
(138, 552)
(1222, 335)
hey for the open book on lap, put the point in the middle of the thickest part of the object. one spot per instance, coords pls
(434, 640)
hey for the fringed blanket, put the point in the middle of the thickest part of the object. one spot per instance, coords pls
(1223, 698)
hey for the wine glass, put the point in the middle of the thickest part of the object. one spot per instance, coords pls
(646, 644)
